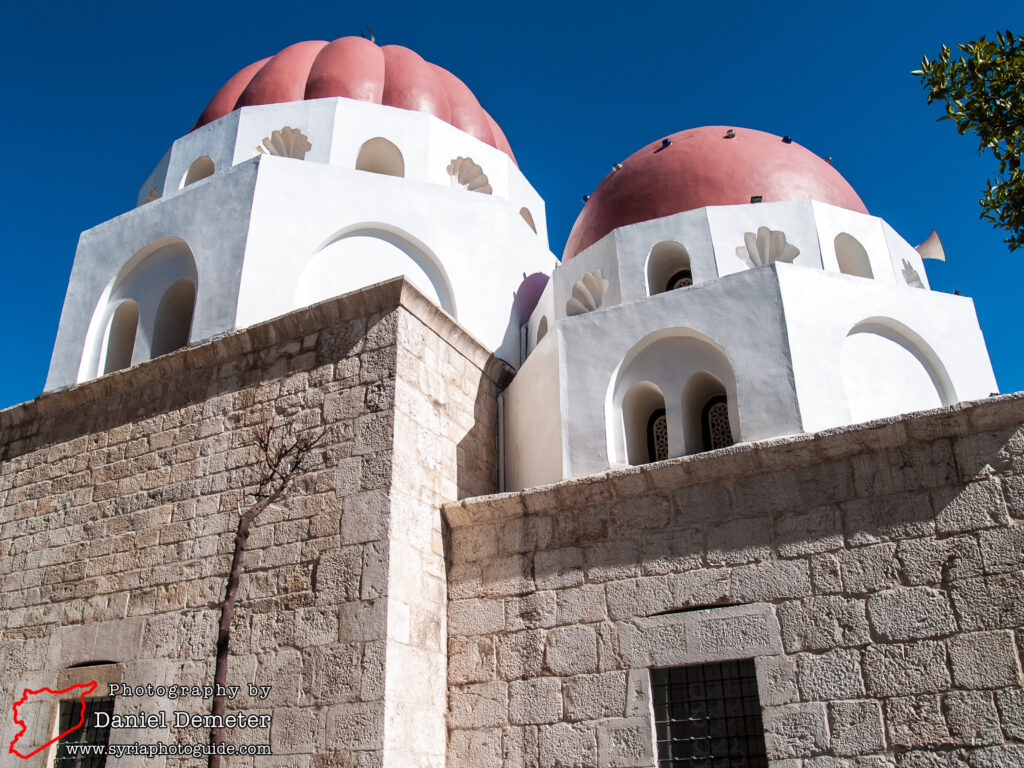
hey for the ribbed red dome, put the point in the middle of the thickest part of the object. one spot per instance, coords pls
(702, 167)
(357, 69)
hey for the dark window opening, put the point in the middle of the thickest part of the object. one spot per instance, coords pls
(657, 436)
(680, 279)
(69, 714)
(714, 422)
(708, 716)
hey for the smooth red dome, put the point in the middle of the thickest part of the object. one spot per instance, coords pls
(702, 167)
(357, 69)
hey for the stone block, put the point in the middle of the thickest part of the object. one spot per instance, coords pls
(521, 654)
(888, 518)
(916, 722)
(856, 727)
(293, 730)
(776, 680)
(826, 574)
(700, 589)
(612, 560)
(571, 650)
(566, 745)
(990, 602)
(625, 743)
(475, 749)
(736, 542)
(823, 623)
(482, 705)
(1011, 712)
(593, 697)
(581, 605)
(911, 613)
(530, 611)
(970, 508)
(869, 569)
(666, 552)
(795, 731)
(939, 561)
(984, 660)
(471, 659)
(558, 568)
(638, 597)
(895, 670)
(475, 617)
(767, 582)
(1002, 549)
(806, 533)
(535, 701)
(1004, 756)
(971, 718)
(830, 676)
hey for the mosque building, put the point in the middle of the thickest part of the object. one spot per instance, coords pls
(725, 485)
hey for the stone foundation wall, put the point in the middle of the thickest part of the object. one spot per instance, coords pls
(119, 501)
(873, 573)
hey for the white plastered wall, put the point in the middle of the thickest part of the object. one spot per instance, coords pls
(822, 310)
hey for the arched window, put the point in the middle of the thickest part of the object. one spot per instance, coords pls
(657, 436)
(852, 258)
(714, 421)
(201, 167)
(174, 318)
(668, 268)
(121, 337)
(706, 413)
(643, 417)
(381, 156)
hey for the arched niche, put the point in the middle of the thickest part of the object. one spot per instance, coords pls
(174, 317)
(645, 424)
(668, 267)
(148, 279)
(542, 329)
(706, 422)
(887, 370)
(119, 341)
(201, 167)
(687, 368)
(369, 254)
(851, 256)
(528, 218)
(381, 156)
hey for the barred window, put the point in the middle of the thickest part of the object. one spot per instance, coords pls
(715, 427)
(69, 714)
(708, 716)
(657, 436)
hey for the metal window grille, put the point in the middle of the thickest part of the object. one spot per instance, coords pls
(708, 716)
(70, 713)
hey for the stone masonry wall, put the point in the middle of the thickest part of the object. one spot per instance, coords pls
(119, 502)
(875, 574)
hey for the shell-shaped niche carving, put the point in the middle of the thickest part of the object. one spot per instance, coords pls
(466, 174)
(587, 294)
(287, 142)
(766, 247)
(910, 275)
(151, 196)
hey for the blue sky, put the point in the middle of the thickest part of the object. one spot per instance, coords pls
(96, 92)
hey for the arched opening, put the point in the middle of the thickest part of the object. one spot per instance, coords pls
(645, 424)
(201, 167)
(889, 371)
(706, 423)
(668, 268)
(174, 318)
(679, 370)
(369, 254)
(851, 256)
(542, 329)
(120, 340)
(528, 218)
(381, 156)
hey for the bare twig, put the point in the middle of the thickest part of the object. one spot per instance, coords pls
(282, 459)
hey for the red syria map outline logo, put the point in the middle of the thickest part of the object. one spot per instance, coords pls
(87, 689)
